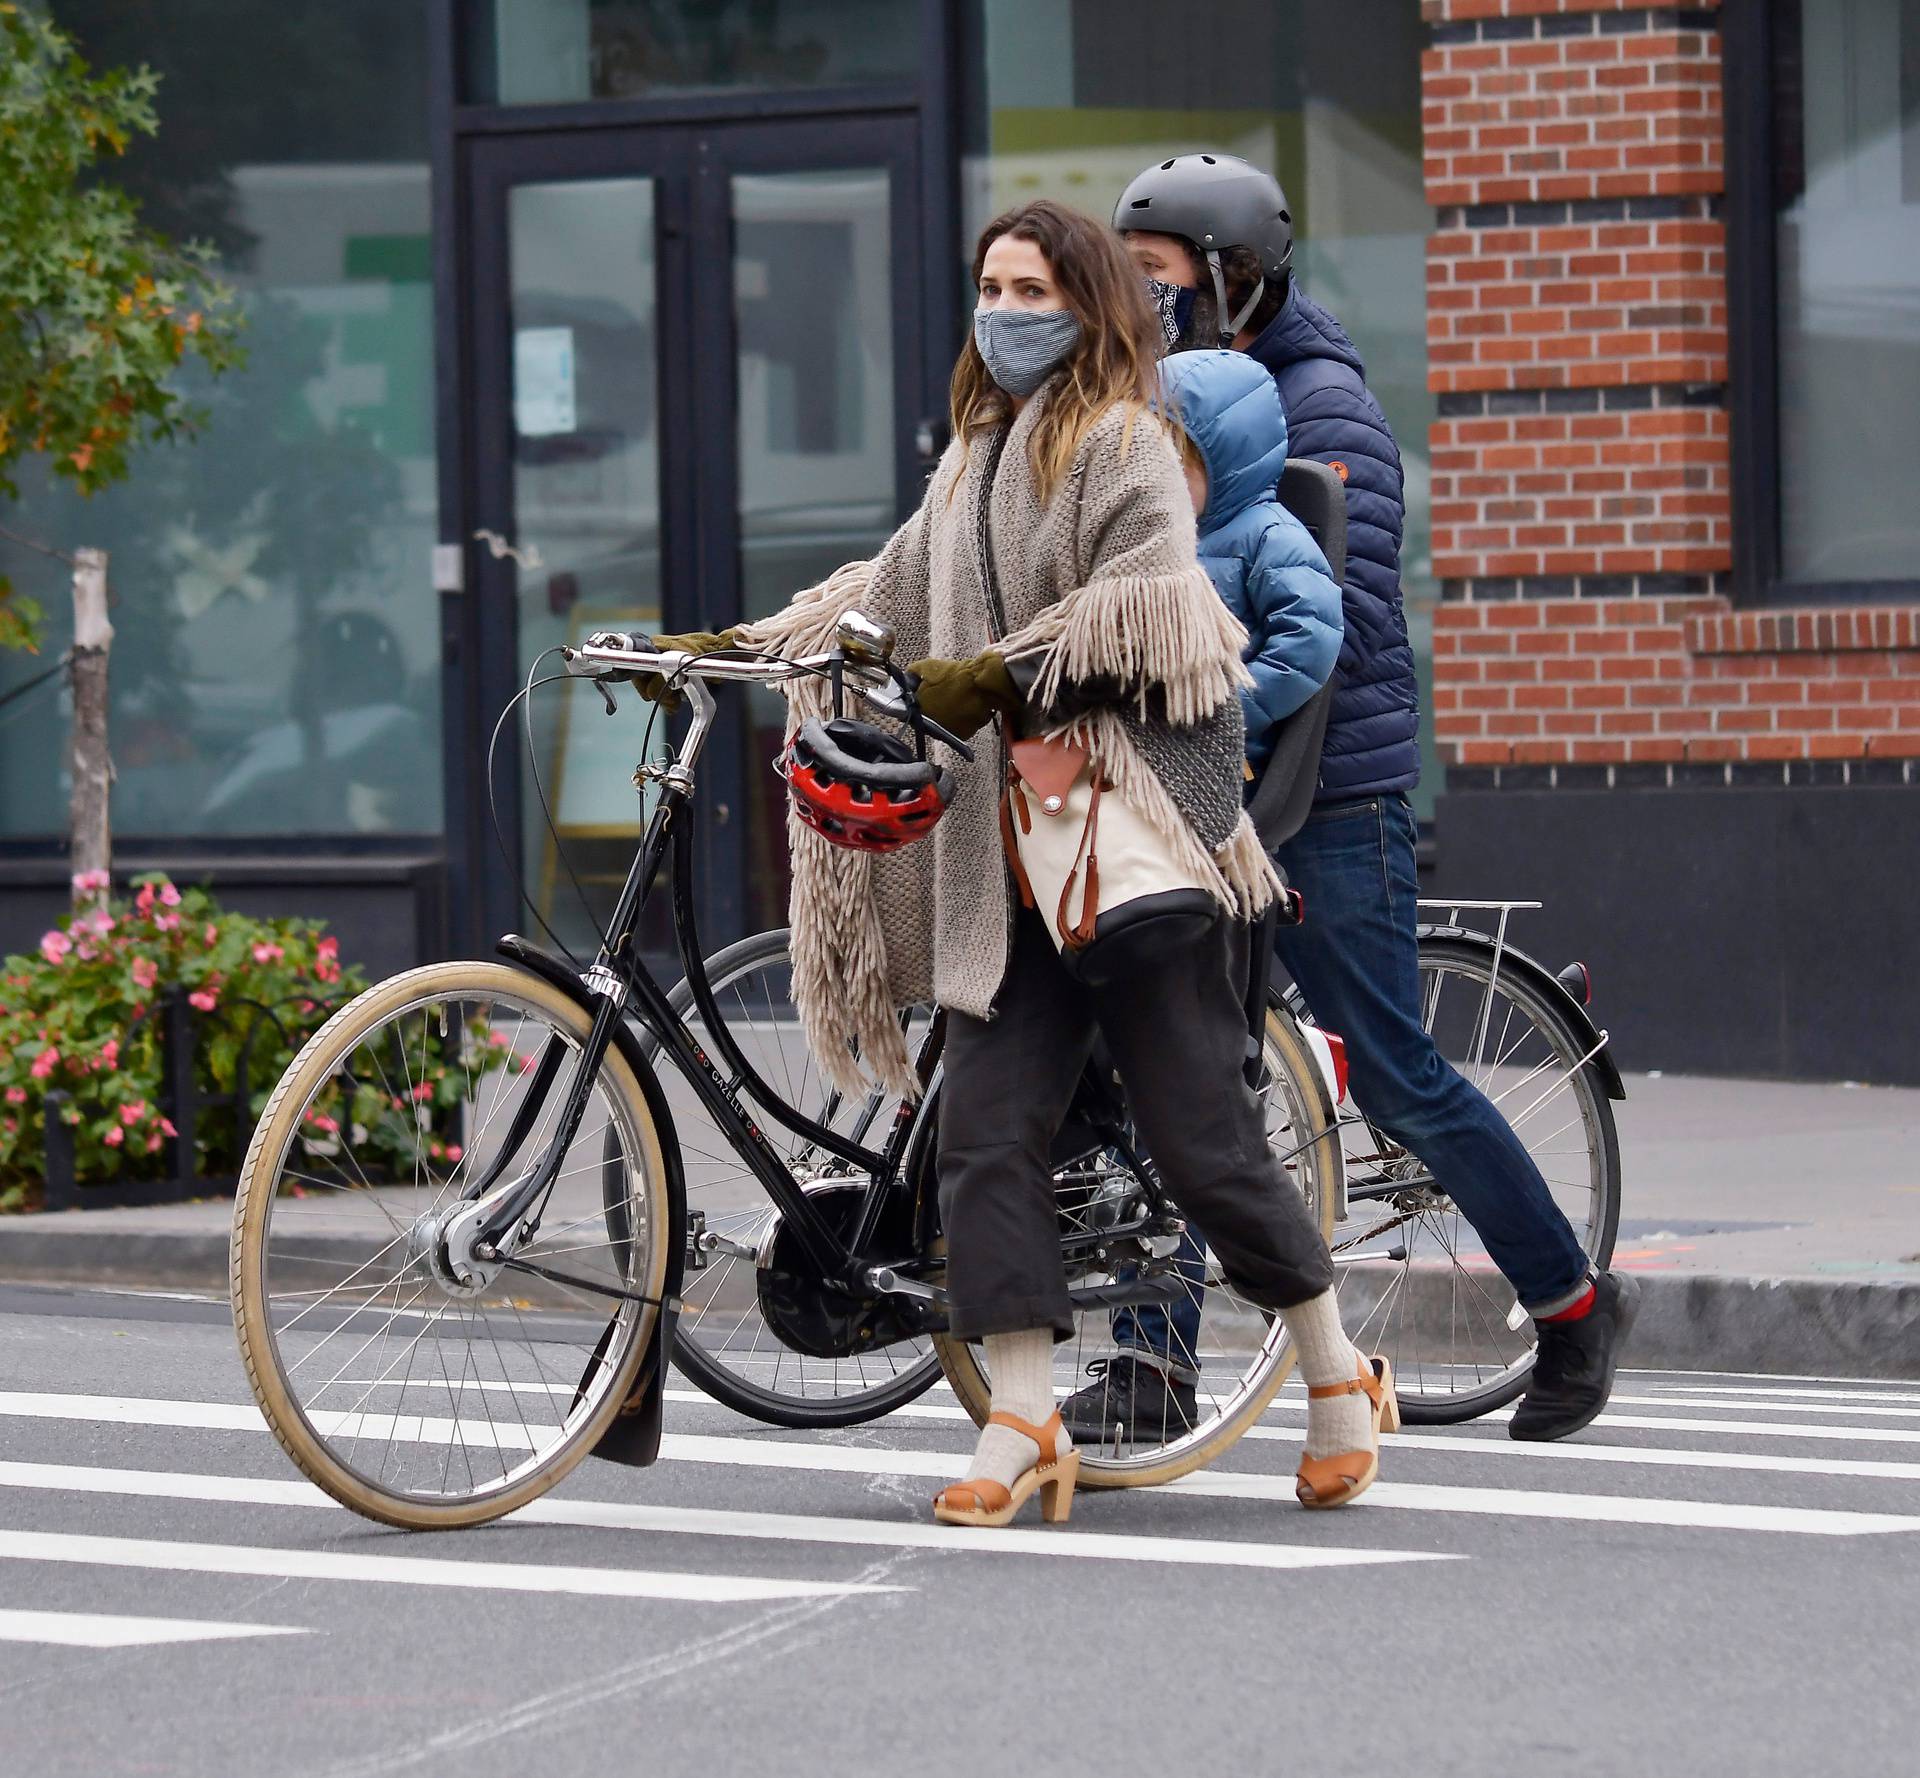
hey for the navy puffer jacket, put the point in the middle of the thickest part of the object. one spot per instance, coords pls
(1262, 560)
(1372, 730)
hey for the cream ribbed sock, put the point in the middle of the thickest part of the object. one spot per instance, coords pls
(1020, 1368)
(1340, 1422)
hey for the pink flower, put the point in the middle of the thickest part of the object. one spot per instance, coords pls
(321, 1121)
(54, 946)
(44, 1064)
(499, 1040)
(153, 1145)
(326, 972)
(16, 1095)
(204, 999)
(145, 972)
(11, 1126)
(327, 949)
(212, 935)
(85, 952)
(423, 1092)
(267, 953)
(133, 1111)
(143, 902)
(110, 1054)
(114, 1137)
(454, 1151)
(90, 882)
(166, 1127)
(167, 922)
(169, 896)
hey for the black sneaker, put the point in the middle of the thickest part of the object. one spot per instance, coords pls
(1131, 1394)
(1573, 1375)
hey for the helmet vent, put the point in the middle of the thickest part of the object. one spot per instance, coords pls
(1142, 204)
(1210, 160)
(1166, 166)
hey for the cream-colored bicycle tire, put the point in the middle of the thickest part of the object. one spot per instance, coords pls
(246, 1248)
(970, 1387)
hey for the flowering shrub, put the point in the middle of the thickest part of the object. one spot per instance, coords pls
(78, 1016)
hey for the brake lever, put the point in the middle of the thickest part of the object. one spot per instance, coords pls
(889, 698)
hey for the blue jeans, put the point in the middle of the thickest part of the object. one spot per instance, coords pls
(1356, 960)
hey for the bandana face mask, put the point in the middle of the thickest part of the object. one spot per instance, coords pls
(1173, 303)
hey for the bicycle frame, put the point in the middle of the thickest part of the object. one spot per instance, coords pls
(623, 986)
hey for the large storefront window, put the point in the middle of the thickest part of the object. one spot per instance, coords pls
(1076, 96)
(1847, 94)
(276, 662)
(532, 52)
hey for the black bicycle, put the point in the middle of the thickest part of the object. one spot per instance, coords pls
(462, 1230)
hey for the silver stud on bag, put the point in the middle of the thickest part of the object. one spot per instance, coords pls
(1054, 804)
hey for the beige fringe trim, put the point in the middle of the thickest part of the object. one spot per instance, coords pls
(809, 622)
(839, 945)
(1169, 631)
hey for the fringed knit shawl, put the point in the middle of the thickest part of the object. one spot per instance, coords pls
(1099, 583)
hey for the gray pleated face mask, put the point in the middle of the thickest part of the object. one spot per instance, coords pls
(1023, 347)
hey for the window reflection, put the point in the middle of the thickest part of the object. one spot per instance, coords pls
(276, 662)
(1849, 288)
(530, 52)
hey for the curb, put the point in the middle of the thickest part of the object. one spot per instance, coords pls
(1687, 1320)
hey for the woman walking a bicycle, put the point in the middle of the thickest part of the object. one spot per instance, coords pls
(1049, 580)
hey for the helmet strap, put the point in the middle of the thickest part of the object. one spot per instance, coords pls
(1230, 327)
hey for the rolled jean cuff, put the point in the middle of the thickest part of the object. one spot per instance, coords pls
(1553, 1305)
(1014, 1314)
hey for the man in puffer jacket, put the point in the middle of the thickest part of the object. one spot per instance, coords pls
(1263, 562)
(1214, 238)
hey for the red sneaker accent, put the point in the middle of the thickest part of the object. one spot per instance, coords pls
(1574, 1311)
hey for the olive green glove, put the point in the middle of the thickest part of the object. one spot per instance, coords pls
(653, 686)
(964, 696)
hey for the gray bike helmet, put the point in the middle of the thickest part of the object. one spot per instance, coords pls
(1216, 201)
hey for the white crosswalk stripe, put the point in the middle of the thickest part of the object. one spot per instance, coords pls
(100, 1629)
(707, 1522)
(416, 1571)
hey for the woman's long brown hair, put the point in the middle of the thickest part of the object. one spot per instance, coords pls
(1114, 361)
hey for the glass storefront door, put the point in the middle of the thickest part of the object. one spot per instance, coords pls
(691, 400)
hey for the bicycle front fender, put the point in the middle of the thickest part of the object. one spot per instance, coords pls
(634, 1437)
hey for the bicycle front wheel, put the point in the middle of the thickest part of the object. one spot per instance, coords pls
(1242, 1353)
(1415, 1280)
(414, 1394)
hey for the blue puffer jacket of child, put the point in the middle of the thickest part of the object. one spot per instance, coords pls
(1264, 562)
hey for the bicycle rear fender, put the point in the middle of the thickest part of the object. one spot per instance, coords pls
(1550, 989)
(634, 1436)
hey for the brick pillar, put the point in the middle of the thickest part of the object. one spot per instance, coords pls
(1577, 343)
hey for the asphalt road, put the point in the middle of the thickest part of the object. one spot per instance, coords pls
(1722, 1576)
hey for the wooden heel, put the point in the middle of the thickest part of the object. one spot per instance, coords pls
(1056, 1496)
(1333, 1481)
(981, 1501)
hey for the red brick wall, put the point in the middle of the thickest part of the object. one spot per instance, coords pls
(1577, 339)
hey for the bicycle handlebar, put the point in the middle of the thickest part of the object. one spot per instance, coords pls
(879, 686)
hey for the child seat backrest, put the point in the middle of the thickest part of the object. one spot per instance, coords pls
(1317, 497)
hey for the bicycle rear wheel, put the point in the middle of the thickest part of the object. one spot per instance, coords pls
(723, 1340)
(414, 1395)
(1415, 1280)
(1242, 1352)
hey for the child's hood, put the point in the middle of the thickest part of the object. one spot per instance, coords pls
(1228, 405)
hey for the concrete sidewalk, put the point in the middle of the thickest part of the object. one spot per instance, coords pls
(1775, 1227)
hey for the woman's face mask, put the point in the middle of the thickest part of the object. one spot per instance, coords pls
(1023, 347)
(1174, 305)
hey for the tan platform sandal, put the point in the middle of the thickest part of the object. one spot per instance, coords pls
(982, 1501)
(1333, 1481)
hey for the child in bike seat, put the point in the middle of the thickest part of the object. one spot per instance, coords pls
(1263, 562)
(1232, 434)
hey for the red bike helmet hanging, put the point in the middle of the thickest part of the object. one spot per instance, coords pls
(860, 787)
